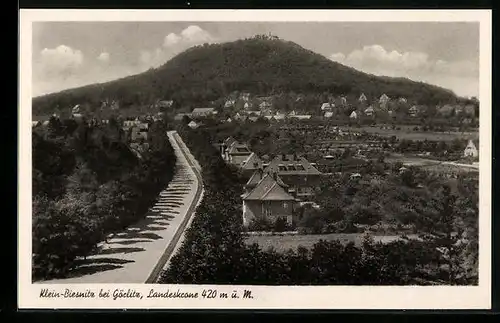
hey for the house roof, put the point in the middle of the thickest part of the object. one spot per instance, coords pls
(353, 115)
(328, 114)
(384, 97)
(202, 110)
(269, 189)
(229, 141)
(362, 97)
(291, 164)
(473, 143)
(237, 148)
(252, 162)
(326, 105)
(369, 109)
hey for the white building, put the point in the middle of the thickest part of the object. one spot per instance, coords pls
(471, 150)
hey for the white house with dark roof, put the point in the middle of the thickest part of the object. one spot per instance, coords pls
(369, 111)
(266, 196)
(413, 111)
(471, 149)
(327, 106)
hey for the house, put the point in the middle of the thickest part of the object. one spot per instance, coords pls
(353, 115)
(229, 103)
(413, 111)
(343, 101)
(251, 164)
(236, 153)
(265, 105)
(279, 116)
(164, 103)
(369, 111)
(140, 132)
(76, 109)
(266, 196)
(229, 119)
(193, 125)
(254, 113)
(203, 112)
(383, 99)
(402, 100)
(362, 98)
(328, 114)
(245, 96)
(327, 106)
(471, 149)
(297, 172)
(247, 105)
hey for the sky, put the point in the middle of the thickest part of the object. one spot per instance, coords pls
(72, 54)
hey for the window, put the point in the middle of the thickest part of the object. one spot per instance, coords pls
(285, 205)
(299, 167)
(282, 168)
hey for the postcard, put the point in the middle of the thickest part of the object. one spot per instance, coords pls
(255, 159)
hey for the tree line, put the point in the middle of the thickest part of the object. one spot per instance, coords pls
(87, 184)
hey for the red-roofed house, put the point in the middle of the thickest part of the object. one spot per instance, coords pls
(266, 196)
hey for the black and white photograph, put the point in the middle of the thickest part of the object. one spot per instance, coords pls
(224, 151)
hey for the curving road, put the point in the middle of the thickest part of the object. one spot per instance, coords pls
(140, 252)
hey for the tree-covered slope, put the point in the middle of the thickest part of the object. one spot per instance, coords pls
(258, 65)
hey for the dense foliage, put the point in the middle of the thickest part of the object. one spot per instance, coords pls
(261, 66)
(214, 251)
(87, 183)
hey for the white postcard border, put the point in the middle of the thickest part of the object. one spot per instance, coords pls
(265, 297)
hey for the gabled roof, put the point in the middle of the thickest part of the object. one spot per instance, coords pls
(252, 162)
(383, 98)
(353, 114)
(472, 144)
(369, 109)
(269, 189)
(362, 97)
(229, 141)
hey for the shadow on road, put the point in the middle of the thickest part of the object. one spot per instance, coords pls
(118, 250)
(91, 269)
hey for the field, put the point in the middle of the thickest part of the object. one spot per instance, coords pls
(407, 132)
(283, 243)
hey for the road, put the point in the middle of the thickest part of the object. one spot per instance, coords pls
(139, 253)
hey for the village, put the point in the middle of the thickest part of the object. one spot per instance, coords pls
(276, 186)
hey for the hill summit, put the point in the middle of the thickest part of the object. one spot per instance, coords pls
(262, 65)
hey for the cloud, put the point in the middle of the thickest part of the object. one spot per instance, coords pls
(174, 44)
(60, 61)
(103, 57)
(375, 59)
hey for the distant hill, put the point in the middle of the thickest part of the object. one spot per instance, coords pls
(259, 65)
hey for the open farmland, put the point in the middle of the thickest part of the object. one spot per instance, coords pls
(407, 132)
(282, 243)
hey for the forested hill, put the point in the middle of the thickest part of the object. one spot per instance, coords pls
(260, 65)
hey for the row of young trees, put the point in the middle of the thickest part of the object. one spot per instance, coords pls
(214, 251)
(88, 184)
